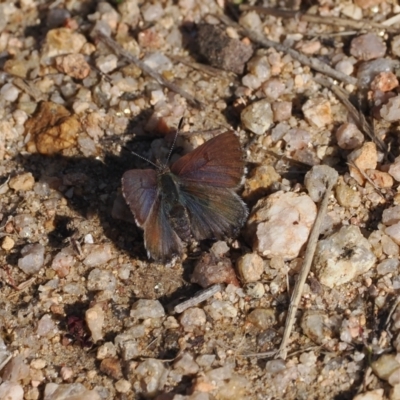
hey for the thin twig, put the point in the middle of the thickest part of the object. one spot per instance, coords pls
(149, 71)
(308, 257)
(317, 19)
(199, 297)
(356, 115)
(312, 62)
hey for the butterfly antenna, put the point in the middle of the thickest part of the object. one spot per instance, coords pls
(143, 158)
(173, 143)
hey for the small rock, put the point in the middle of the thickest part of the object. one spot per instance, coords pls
(15, 370)
(376, 394)
(221, 51)
(315, 325)
(343, 256)
(151, 375)
(317, 112)
(367, 47)
(185, 365)
(316, 181)
(38, 363)
(66, 373)
(280, 224)
(260, 181)
(346, 196)
(394, 169)
(381, 179)
(22, 182)
(385, 82)
(8, 243)
(211, 270)
(282, 110)
(32, 258)
(73, 65)
(53, 391)
(192, 318)
(63, 262)
(111, 367)
(220, 309)
(255, 289)
(364, 158)
(389, 266)
(106, 350)
(97, 254)
(51, 129)
(11, 391)
(262, 318)
(250, 267)
(46, 326)
(390, 111)
(107, 63)
(101, 280)
(385, 365)
(152, 12)
(349, 136)
(393, 232)
(258, 117)
(143, 309)
(123, 386)
(61, 41)
(94, 317)
(9, 92)
(391, 215)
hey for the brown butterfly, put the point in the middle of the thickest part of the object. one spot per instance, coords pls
(194, 198)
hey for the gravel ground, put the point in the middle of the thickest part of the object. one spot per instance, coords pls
(85, 314)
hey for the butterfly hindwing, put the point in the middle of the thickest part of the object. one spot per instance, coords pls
(213, 213)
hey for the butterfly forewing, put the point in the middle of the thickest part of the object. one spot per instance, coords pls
(210, 165)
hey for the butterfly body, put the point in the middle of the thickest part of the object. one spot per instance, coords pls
(194, 199)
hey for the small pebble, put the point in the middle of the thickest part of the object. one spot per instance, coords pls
(106, 350)
(364, 158)
(280, 224)
(220, 309)
(192, 318)
(94, 318)
(9, 92)
(347, 197)
(143, 309)
(315, 326)
(318, 112)
(66, 373)
(394, 169)
(8, 243)
(262, 318)
(97, 254)
(151, 376)
(255, 289)
(343, 256)
(349, 136)
(99, 279)
(11, 391)
(390, 111)
(376, 394)
(367, 47)
(186, 365)
(111, 367)
(122, 386)
(257, 117)
(385, 81)
(32, 259)
(250, 267)
(22, 182)
(389, 266)
(385, 365)
(46, 326)
(54, 391)
(73, 65)
(107, 63)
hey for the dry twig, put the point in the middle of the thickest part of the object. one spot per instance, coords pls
(308, 257)
(147, 70)
(312, 62)
(199, 297)
(317, 19)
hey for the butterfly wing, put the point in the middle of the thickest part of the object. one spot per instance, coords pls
(140, 190)
(218, 162)
(213, 212)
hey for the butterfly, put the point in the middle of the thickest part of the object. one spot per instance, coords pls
(194, 198)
